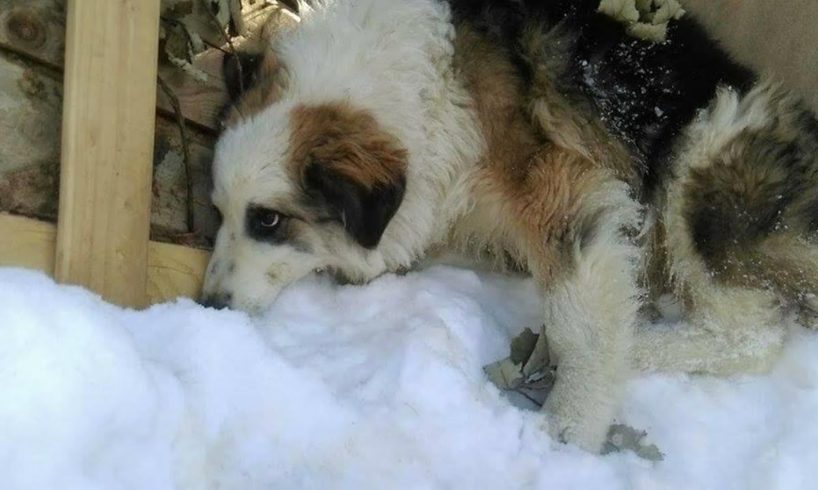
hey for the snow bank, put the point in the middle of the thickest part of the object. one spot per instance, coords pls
(352, 387)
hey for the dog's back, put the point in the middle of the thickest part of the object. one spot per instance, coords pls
(726, 162)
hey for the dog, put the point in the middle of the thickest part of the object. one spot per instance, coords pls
(537, 136)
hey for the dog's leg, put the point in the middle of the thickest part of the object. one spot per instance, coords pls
(733, 321)
(590, 316)
(570, 223)
(584, 260)
(731, 330)
(739, 222)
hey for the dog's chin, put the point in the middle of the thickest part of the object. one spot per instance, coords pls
(258, 305)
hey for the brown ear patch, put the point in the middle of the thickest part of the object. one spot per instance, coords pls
(349, 141)
(259, 82)
(350, 166)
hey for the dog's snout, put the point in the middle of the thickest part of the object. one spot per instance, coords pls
(217, 301)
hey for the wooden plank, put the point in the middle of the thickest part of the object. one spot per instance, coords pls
(107, 147)
(28, 243)
(173, 271)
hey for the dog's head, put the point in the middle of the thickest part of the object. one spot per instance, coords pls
(300, 186)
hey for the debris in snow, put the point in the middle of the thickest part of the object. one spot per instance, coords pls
(529, 372)
(624, 438)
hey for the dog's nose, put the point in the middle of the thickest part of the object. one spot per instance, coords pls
(218, 301)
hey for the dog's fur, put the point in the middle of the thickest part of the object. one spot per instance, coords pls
(532, 134)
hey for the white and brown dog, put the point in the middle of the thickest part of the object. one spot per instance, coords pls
(532, 134)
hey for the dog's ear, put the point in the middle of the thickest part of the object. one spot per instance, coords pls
(364, 210)
(254, 80)
(241, 72)
(350, 169)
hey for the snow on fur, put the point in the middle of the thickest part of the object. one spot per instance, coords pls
(353, 387)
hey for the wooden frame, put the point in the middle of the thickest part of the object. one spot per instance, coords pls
(101, 240)
(172, 270)
(109, 104)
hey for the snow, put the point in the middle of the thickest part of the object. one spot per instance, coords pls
(379, 386)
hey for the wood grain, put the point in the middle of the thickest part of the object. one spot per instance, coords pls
(28, 243)
(201, 101)
(173, 271)
(36, 30)
(107, 147)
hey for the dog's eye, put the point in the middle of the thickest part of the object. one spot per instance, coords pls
(264, 223)
(269, 219)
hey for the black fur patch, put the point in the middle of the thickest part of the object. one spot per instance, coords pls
(644, 92)
(737, 202)
(293, 5)
(286, 233)
(364, 213)
(240, 72)
(218, 301)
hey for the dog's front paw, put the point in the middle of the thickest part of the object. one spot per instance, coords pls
(577, 416)
(590, 437)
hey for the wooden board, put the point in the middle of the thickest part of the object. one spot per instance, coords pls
(28, 243)
(173, 271)
(111, 60)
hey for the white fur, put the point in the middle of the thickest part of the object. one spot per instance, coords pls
(393, 58)
(588, 323)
